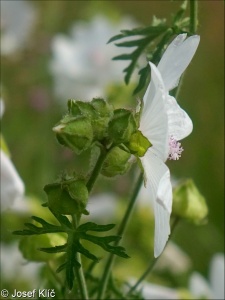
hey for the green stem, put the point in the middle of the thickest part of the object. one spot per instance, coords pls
(193, 16)
(97, 168)
(153, 262)
(81, 279)
(79, 270)
(121, 230)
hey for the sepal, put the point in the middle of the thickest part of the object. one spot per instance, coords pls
(122, 126)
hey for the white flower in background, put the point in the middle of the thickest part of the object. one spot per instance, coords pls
(17, 20)
(14, 266)
(164, 123)
(12, 187)
(155, 292)
(82, 62)
(214, 289)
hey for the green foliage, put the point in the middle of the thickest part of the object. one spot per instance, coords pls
(73, 244)
(152, 40)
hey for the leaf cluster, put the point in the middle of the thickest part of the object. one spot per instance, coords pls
(151, 39)
(73, 244)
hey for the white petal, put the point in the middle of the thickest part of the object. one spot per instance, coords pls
(164, 193)
(217, 276)
(158, 181)
(199, 287)
(176, 58)
(154, 123)
(12, 186)
(180, 124)
(158, 178)
(162, 228)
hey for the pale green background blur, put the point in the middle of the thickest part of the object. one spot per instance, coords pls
(35, 152)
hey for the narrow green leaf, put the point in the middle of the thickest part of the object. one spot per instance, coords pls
(41, 221)
(90, 226)
(103, 242)
(61, 267)
(144, 74)
(133, 43)
(85, 252)
(56, 249)
(63, 220)
(123, 57)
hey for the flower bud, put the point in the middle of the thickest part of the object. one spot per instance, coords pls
(98, 112)
(117, 162)
(138, 144)
(104, 113)
(122, 126)
(75, 133)
(67, 197)
(188, 203)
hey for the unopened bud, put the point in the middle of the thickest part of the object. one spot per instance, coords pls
(122, 126)
(98, 112)
(67, 197)
(117, 163)
(100, 121)
(75, 133)
(188, 203)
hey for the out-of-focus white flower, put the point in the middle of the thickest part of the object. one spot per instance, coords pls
(17, 20)
(14, 266)
(214, 288)
(12, 187)
(156, 292)
(164, 123)
(2, 108)
(82, 63)
(102, 207)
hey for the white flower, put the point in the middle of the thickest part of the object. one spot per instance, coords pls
(15, 268)
(214, 289)
(164, 123)
(155, 292)
(17, 20)
(12, 187)
(82, 62)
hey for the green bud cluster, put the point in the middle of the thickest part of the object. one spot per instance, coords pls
(88, 123)
(67, 197)
(188, 202)
(85, 123)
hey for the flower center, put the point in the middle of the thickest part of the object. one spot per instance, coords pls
(175, 149)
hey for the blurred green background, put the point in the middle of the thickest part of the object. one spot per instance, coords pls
(26, 83)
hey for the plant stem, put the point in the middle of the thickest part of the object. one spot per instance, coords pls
(193, 16)
(81, 279)
(97, 168)
(121, 230)
(79, 270)
(153, 262)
